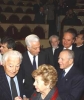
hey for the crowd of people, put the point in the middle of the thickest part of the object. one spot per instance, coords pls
(52, 10)
(53, 73)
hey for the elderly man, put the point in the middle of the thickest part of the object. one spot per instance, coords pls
(54, 42)
(67, 42)
(10, 82)
(70, 79)
(32, 58)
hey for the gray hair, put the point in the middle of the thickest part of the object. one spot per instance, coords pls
(31, 38)
(11, 53)
(53, 36)
(70, 53)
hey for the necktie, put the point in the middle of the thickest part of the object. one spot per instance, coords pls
(63, 73)
(13, 88)
(34, 62)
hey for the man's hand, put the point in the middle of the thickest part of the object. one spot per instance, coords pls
(18, 98)
(24, 98)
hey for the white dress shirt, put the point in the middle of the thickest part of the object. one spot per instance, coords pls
(70, 48)
(16, 84)
(31, 59)
(67, 69)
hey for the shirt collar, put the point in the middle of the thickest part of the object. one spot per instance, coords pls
(30, 54)
(79, 45)
(70, 48)
(67, 69)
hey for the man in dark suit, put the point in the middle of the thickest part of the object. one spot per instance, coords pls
(67, 42)
(32, 58)
(54, 42)
(40, 17)
(80, 41)
(9, 76)
(70, 80)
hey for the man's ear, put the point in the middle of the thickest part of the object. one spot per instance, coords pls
(27, 48)
(71, 61)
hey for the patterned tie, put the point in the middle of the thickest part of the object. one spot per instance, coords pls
(13, 88)
(34, 62)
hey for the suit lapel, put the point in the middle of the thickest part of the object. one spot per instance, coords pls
(29, 62)
(67, 76)
(39, 60)
(51, 51)
(5, 87)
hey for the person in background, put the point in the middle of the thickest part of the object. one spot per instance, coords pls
(70, 18)
(9, 76)
(70, 79)
(7, 44)
(54, 42)
(32, 58)
(80, 41)
(40, 16)
(49, 11)
(45, 83)
(36, 6)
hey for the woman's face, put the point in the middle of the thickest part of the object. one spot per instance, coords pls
(39, 84)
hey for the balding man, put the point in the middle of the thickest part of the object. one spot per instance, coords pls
(67, 42)
(70, 79)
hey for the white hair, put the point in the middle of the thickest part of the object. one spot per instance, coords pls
(31, 38)
(70, 53)
(53, 36)
(10, 54)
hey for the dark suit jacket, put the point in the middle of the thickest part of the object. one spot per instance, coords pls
(78, 61)
(52, 95)
(5, 93)
(50, 55)
(81, 47)
(71, 86)
(26, 70)
(39, 18)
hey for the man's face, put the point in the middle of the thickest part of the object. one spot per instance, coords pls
(34, 49)
(4, 48)
(11, 66)
(64, 60)
(67, 40)
(79, 39)
(54, 42)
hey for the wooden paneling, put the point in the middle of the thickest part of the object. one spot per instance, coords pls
(78, 28)
(31, 26)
